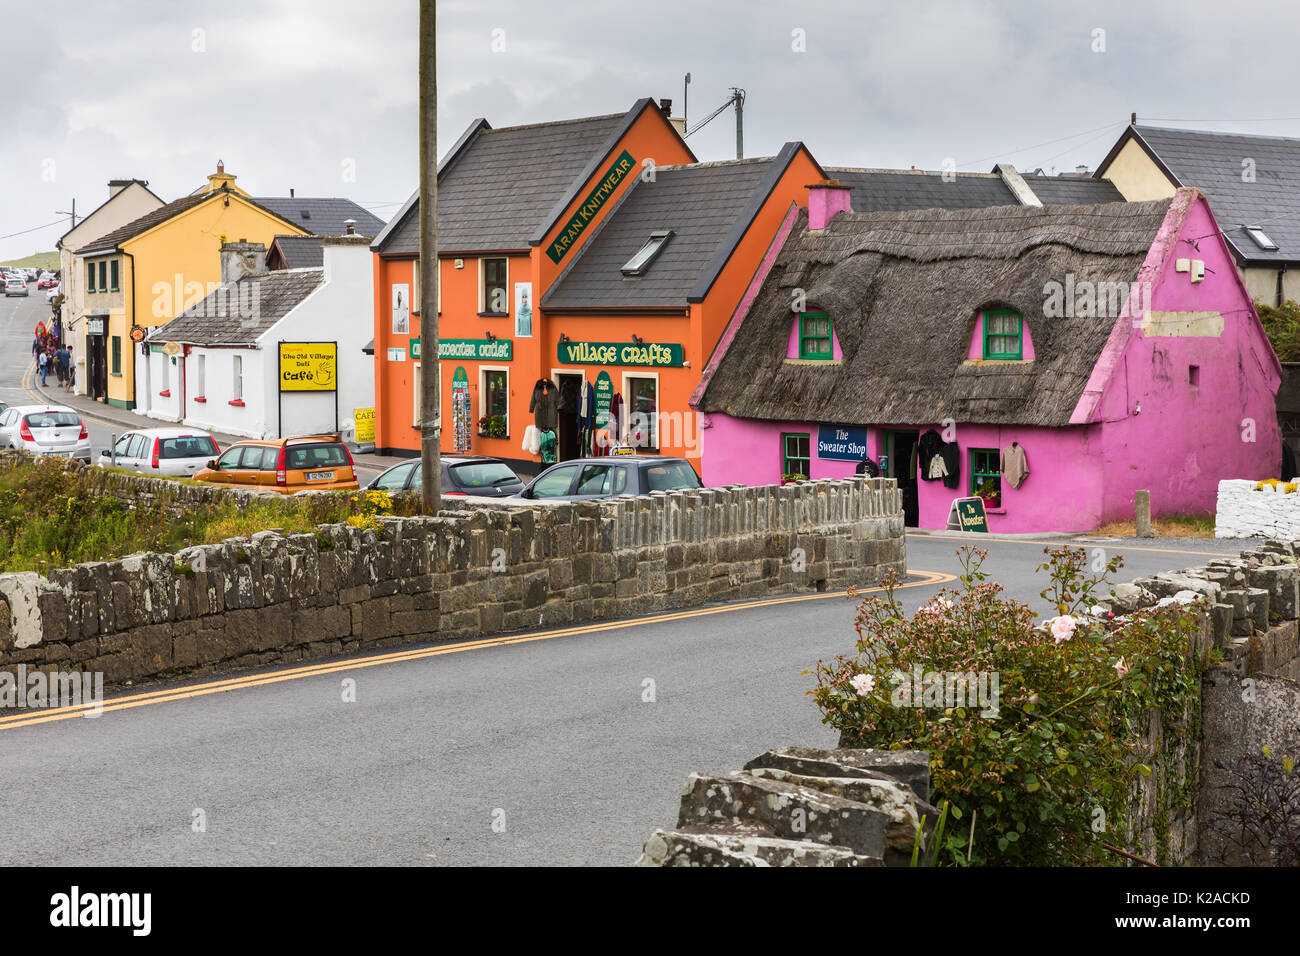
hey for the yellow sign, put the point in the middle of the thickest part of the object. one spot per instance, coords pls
(308, 367)
(365, 422)
(172, 348)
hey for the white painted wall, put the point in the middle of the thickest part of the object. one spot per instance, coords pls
(1244, 512)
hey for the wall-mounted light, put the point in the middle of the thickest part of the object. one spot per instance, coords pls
(1137, 408)
(636, 339)
(564, 338)
(490, 337)
(686, 363)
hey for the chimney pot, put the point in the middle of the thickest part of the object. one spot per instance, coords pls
(290, 192)
(241, 259)
(351, 226)
(666, 107)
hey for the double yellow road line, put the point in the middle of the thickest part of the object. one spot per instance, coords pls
(28, 718)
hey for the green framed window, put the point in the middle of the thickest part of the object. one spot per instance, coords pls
(986, 476)
(815, 336)
(103, 276)
(112, 276)
(117, 355)
(795, 457)
(90, 277)
(1002, 334)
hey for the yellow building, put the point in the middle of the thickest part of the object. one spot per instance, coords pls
(153, 268)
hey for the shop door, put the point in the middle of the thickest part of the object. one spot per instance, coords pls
(568, 437)
(97, 367)
(899, 447)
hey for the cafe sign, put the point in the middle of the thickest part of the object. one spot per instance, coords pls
(308, 366)
(645, 354)
(469, 349)
(584, 214)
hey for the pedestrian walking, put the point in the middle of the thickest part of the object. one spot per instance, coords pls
(72, 371)
(44, 360)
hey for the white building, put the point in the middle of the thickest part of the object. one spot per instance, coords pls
(219, 366)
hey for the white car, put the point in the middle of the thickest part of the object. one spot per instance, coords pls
(52, 430)
(16, 286)
(51, 294)
(174, 452)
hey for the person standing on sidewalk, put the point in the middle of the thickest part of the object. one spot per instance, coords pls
(72, 371)
(44, 360)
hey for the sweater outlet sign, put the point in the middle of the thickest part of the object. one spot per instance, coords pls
(469, 349)
(645, 354)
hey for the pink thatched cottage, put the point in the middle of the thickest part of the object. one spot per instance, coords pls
(1051, 360)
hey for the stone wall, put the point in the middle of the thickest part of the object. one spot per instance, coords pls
(1248, 700)
(480, 569)
(797, 806)
(1246, 511)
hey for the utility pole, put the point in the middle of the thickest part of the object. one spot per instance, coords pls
(430, 413)
(739, 96)
(73, 214)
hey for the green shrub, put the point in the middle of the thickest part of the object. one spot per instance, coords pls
(1282, 325)
(1059, 748)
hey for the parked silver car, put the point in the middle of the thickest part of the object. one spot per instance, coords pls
(45, 430)
(16, 287)
(174, 452)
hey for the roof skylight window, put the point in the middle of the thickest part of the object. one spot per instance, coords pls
(639, 263)
(1261, 238)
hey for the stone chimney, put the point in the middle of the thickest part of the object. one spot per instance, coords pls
(115, 186)
(220, 178)
(825, 200)
(242, 258)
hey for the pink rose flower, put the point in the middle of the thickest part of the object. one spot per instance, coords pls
(1063, 627)
(1121, 668)
(863, 684)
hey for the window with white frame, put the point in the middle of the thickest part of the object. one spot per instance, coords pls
(201, 375)
(417, 395)
(642, 412)
(494, 402)
(166, 374)
(237, 383)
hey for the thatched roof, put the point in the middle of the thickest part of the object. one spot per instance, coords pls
(903, 290)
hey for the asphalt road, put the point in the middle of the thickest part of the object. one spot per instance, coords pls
(18, 318)
(550, 736)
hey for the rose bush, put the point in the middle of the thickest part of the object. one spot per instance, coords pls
(1059, 750)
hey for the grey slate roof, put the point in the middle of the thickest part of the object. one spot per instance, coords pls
(505, 183)
(322, 217)
(1212, 162)
(236, 313)
(899, 190)
(903, 290)
(700, 203)
(146, 222)
(299, 252)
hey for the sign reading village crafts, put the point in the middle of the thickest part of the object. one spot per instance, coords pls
(650, 354)
(308, 367)
(569, 234)
(469, 349)
(841, 444)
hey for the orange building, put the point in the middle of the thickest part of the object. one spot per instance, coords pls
(591, 256)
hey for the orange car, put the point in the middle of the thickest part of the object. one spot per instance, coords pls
(318, 462)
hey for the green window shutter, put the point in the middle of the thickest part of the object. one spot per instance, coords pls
(112, 273)
(90, 277)
(117, 355)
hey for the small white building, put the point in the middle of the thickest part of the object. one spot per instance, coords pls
(253, 357)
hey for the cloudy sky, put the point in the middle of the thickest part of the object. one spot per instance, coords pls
(320, 95)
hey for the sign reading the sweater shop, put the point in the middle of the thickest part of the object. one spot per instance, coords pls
(585, 213)
(841, 444)
(308, 367)
(469, 349)
(651, 354)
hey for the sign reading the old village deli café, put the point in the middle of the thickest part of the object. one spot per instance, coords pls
(469, 349)
(308, 367)
(651, 354)
(571, 230)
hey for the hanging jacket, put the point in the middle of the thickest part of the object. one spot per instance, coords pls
(1014, 465)
(951, 463)
(542, 405)
(567, 401)
(931, 444)
(532, 440)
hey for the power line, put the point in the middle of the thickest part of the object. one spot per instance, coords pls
(1262, 119)
(58, 222)
(1038, 145)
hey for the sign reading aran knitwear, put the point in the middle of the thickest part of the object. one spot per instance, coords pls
(569, 233)
(469, 349)
(650, 354)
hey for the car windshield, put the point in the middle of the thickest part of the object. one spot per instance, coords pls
(51, 419)
(482, 474)
(316, 456)
(671, 475)
(188, 446)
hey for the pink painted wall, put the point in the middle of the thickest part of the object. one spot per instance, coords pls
(1181, 444)
(792, 349)
(1187, 438)
(976, 350)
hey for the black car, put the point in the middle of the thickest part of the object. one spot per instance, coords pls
(585, 478)
(484, 477)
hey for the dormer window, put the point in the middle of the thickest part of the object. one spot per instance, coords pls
(639, 263)
(1261, 238)
(815, 336)
(1003, 338)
